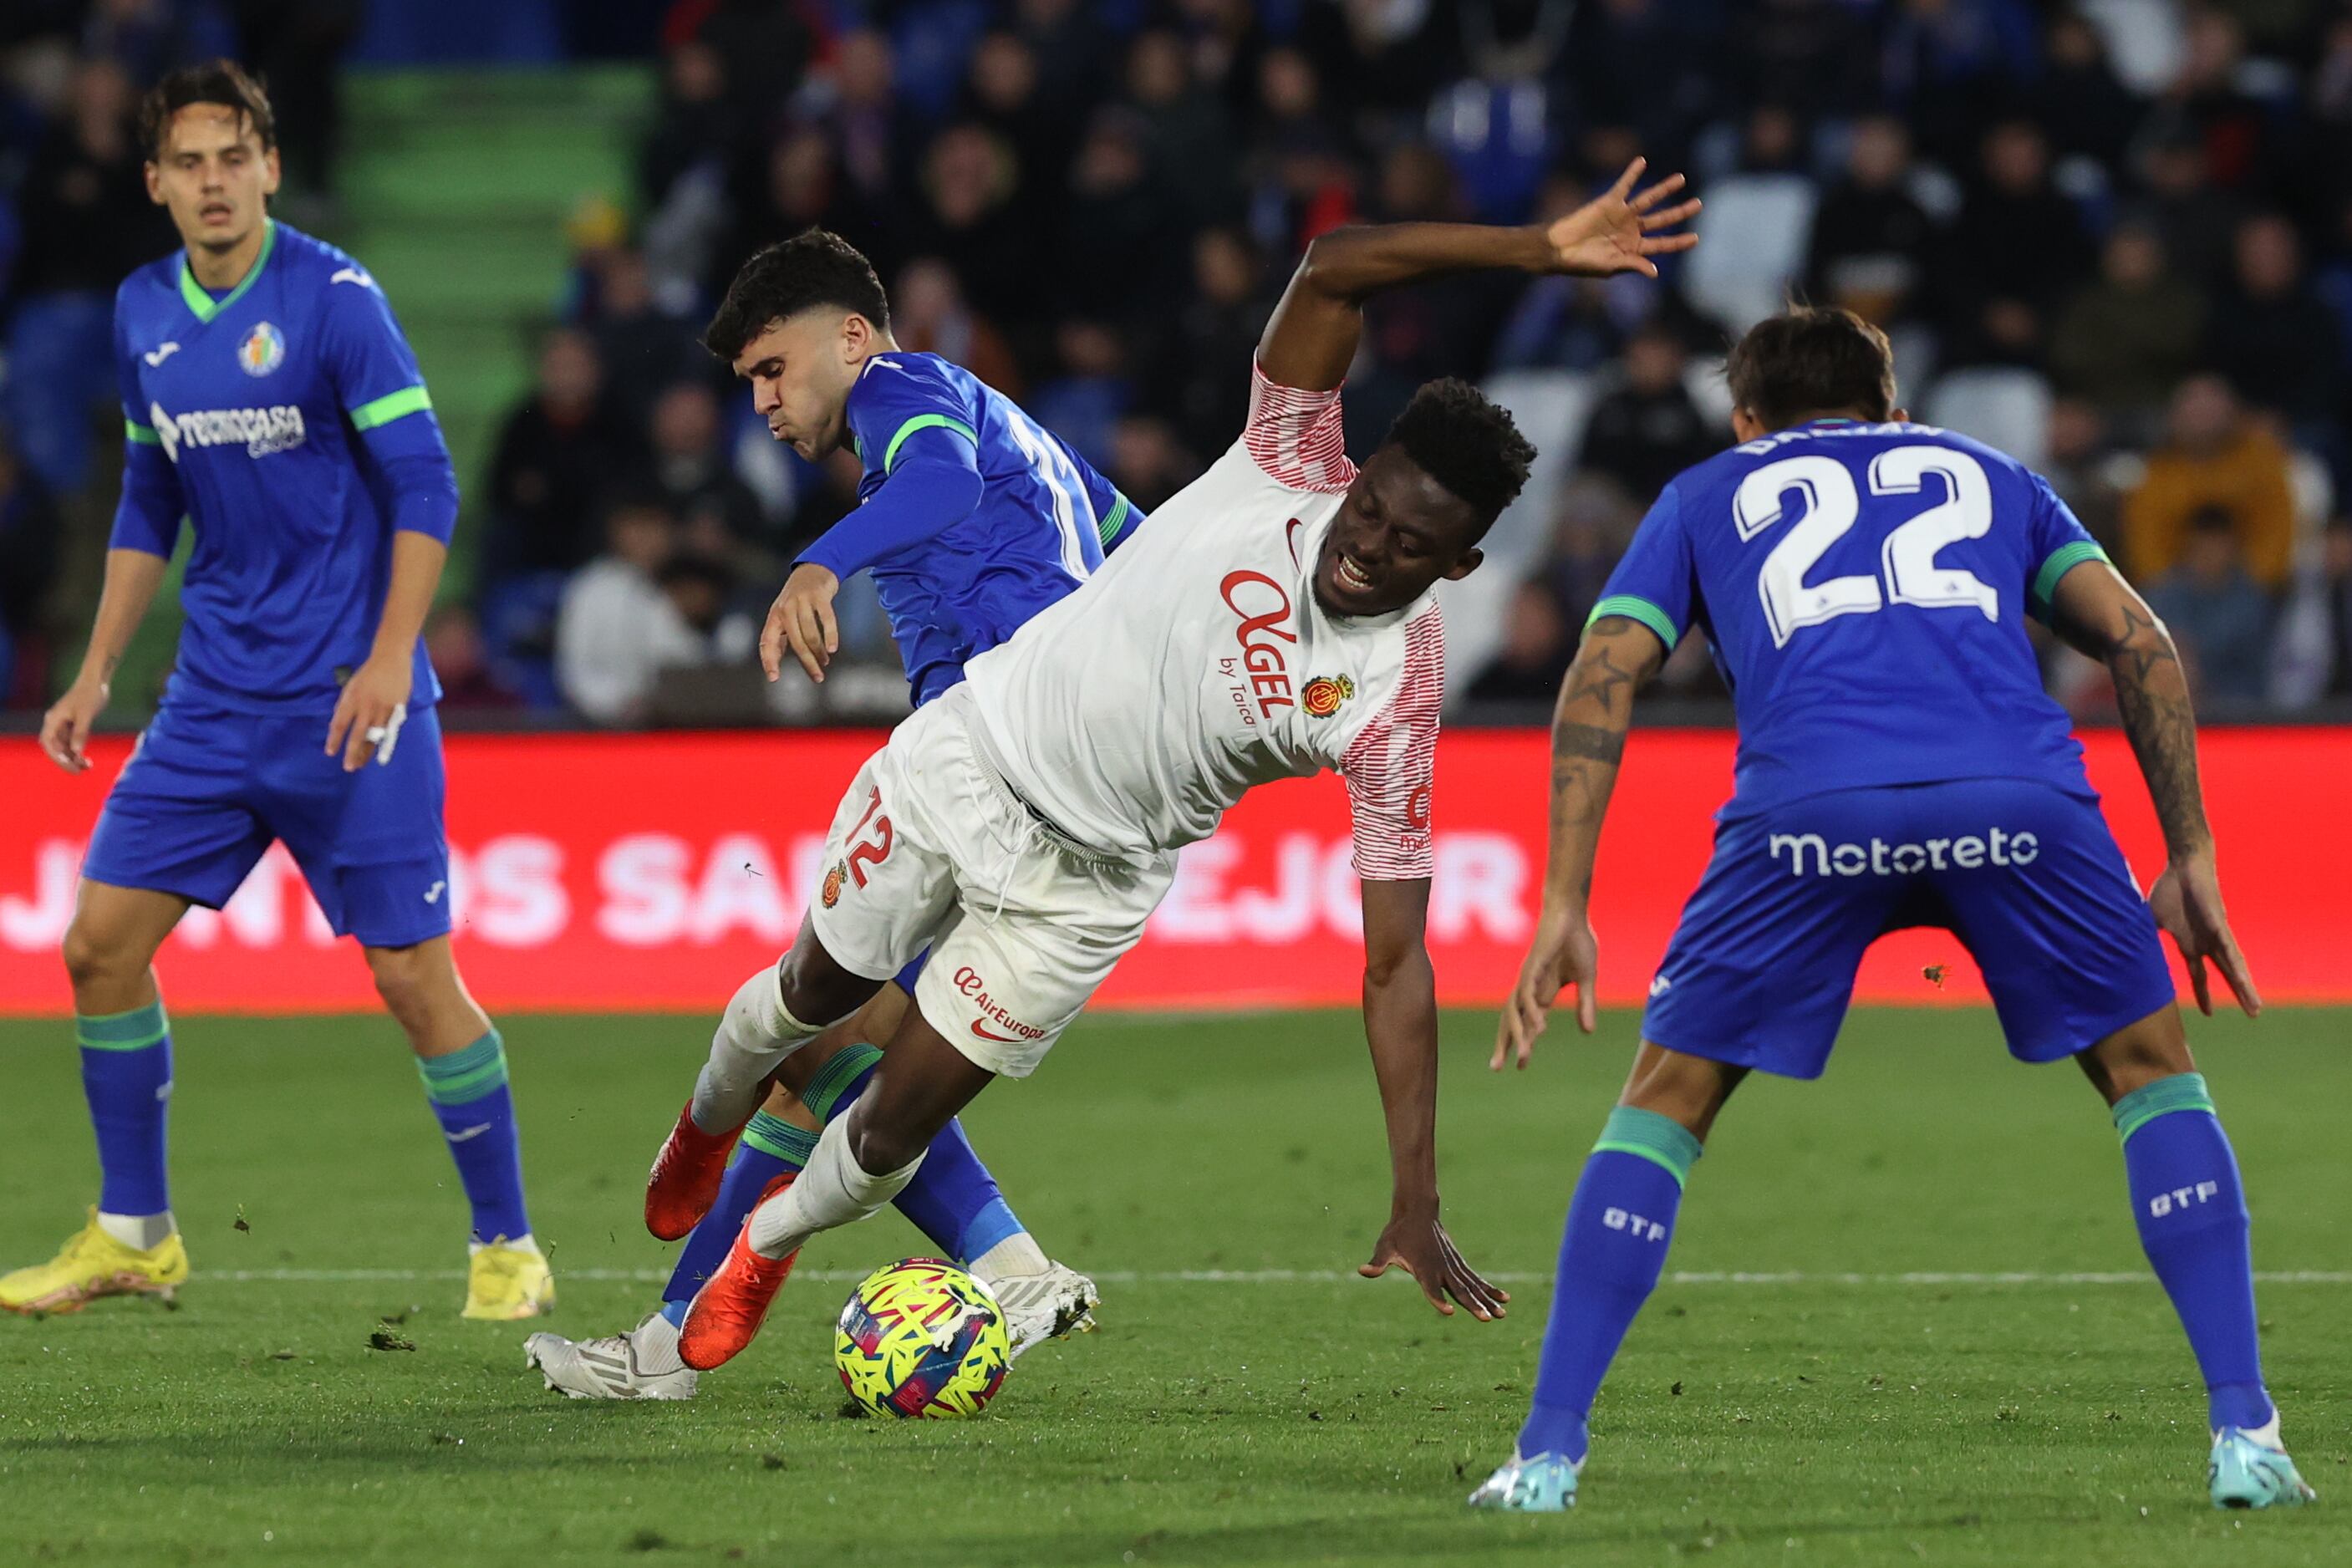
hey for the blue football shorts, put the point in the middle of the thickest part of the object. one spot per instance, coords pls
(208, 788)
(2026, 875)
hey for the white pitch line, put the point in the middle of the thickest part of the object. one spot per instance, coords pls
(1276, 1276)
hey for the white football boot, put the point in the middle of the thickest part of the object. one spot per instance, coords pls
(1044, 1306)
(640, 1364)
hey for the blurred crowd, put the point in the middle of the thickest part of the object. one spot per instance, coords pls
(2113, 237)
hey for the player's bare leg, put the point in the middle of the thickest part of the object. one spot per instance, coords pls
(131, 1246)
(2191, 1212)
(463, 1063)
(1619, 1223)
(862, 1161)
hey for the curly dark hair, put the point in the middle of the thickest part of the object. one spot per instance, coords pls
(815, 267)
(222, 82)
(1468, 443)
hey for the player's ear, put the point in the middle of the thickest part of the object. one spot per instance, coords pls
(1900, 416)
(155, 182)
(270, 172)
(1746, 426)
(1465, 564)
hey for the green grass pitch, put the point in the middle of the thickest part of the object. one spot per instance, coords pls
(1789, 1398)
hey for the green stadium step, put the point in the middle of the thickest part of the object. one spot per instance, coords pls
(455, 189)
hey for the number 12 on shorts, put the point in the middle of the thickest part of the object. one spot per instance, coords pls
(864, 852)
(1907, 559)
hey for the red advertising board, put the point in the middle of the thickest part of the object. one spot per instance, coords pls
(612, 873)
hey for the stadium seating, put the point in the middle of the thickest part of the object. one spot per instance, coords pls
(2009, 409)
(1755, 231)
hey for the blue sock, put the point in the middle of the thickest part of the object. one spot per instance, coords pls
(769, 1147)
(954, 1199)
(126, 1075)
(2192, 1221)
(469, 1096)
(1618, 1225)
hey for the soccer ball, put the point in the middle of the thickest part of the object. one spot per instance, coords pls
(921, 1339)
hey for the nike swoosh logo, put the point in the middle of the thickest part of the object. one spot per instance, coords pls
(1291, 537)
(161, 353)
(988, 1034)
(474, 1131)
(350, 275)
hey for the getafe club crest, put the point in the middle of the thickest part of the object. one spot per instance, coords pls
(263, 351)
(1321, 697)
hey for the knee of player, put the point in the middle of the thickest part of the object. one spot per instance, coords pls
(405, 978)
(91, 954)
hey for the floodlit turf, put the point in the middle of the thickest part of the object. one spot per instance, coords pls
(1234, 1419)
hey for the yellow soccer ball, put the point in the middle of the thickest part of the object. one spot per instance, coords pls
(921, 1339)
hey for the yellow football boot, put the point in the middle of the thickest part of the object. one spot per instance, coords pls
(509, 1283)
(93, 1264)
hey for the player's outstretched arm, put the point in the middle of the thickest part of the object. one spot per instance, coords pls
(2098, 613)
(1312, 335)
(1401, 1023)
(132, 579)
(1588, 740)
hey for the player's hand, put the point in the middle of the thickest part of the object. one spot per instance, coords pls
(1621, 230)
(2187, 902)
(1565, 953)
(65, 728)
(1418, 1244)
(801, 619)
(372, 708)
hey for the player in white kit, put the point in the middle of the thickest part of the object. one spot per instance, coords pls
(1277, 619)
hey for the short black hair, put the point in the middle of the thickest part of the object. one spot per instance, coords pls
(222, 82)
(815, 267)
(1812, 359)
(1468, 443)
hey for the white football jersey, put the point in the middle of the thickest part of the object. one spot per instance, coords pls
(1196, 664)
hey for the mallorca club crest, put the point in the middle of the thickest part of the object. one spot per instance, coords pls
(263, 350)
(1321, 697)
(830, 892)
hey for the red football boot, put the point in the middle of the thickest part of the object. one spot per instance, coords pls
(733, 1302)
(685, 1179)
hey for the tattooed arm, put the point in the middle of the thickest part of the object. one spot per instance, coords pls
(2094, 609)
(1587, 738)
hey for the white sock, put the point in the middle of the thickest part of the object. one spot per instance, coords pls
(2267, 1435)
(144, 1231)
(757, 1032)
(1017, 1254)
(833, 1189)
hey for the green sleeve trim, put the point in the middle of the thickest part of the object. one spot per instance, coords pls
(464, 1077)
(203, 306)
(132, 1031)
(2182, 1092)
(2062, 560)
(1113, 520)
(392, 406)
(825, 1089)
(140, 434)
(1634, 607)
(1661, 1140)
(926, 422)
(780, 1139)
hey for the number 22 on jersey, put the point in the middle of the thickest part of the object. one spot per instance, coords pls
(1832, 505)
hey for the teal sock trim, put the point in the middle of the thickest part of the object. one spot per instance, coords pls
(779, 1139)
(2182, 1092)
(834, 1076)
(1645, 1134)
(464, 1077)
(132, 1031)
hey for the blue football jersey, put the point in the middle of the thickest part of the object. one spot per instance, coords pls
(1864, 589)
(1044, 520)
(265, 419)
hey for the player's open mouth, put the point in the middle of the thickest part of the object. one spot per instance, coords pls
(1351, 576)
